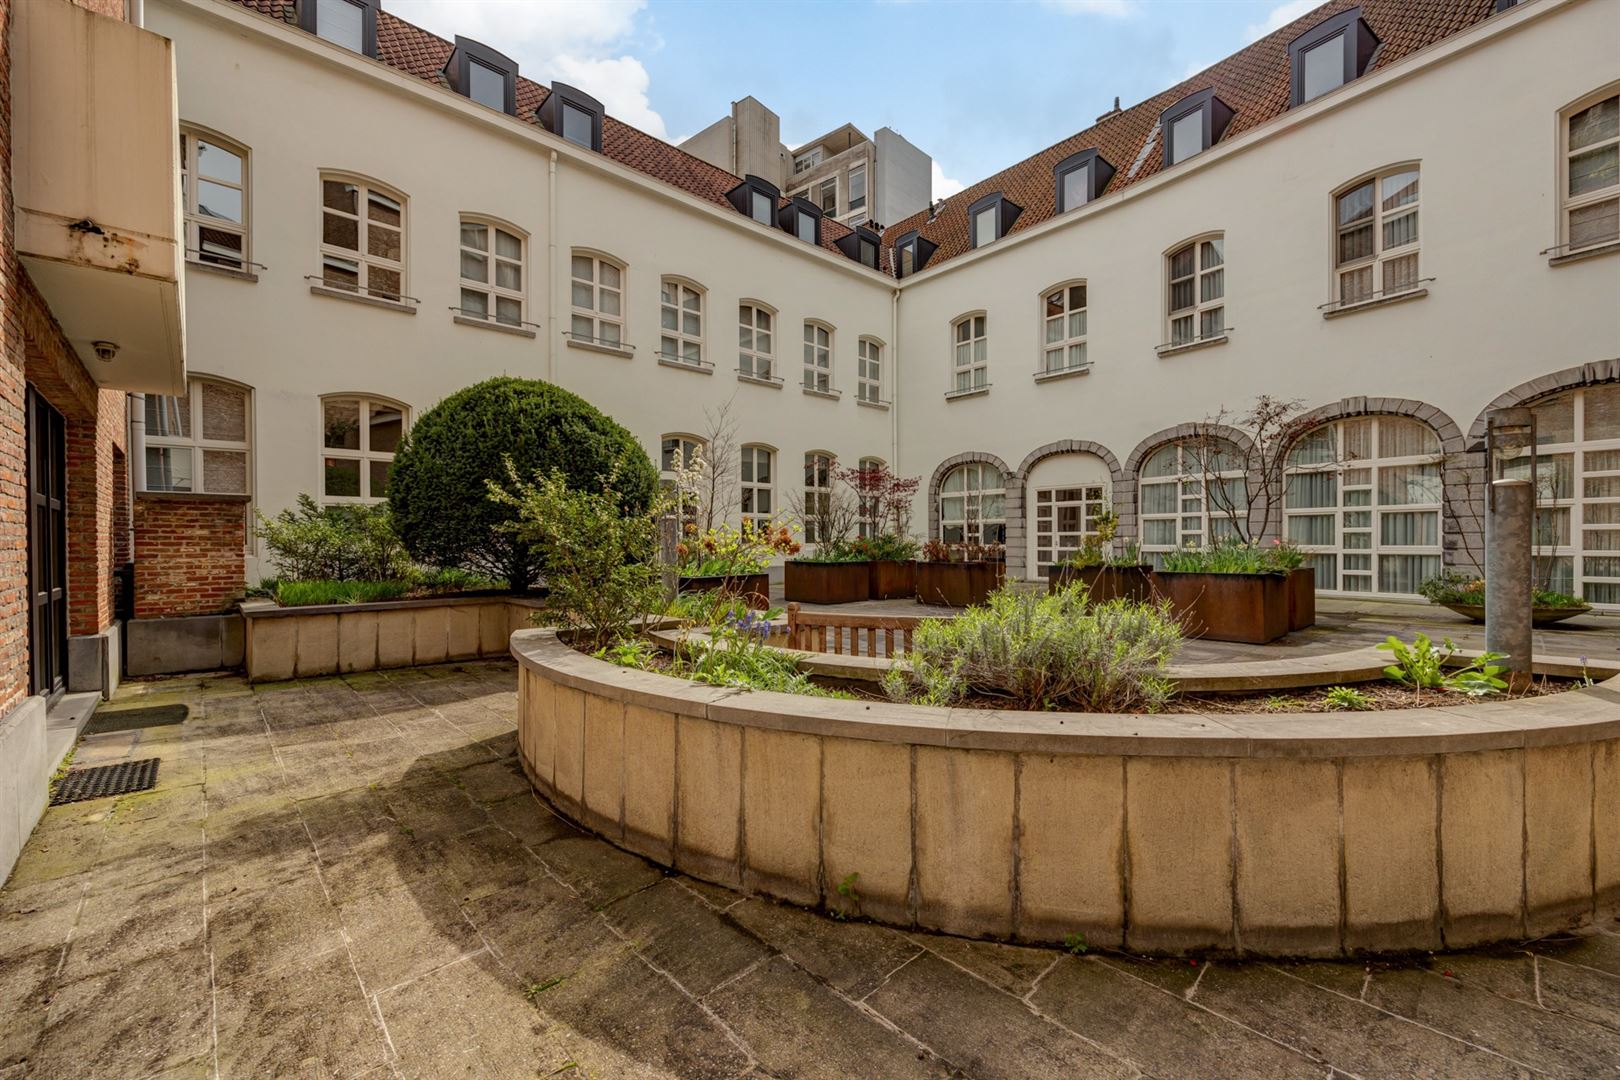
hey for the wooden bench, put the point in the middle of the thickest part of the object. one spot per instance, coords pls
(844, 634)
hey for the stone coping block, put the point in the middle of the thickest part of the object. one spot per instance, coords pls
(1325, 834)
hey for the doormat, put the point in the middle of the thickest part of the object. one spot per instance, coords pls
(104, 780)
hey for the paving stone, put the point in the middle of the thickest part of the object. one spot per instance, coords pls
(530, 821)
(1157, 1029)
(492, 781)
(130, 1021)
(797, 1027)
(117, 927)
(1011, 968)
(1540, 982)
(27, 980)
(304, 1019)
(680, 934)
(541, 930)
(430, 806)
(1600, 951)
(271, 928)
(854, 957)
(483, 861)
(983, 1031)
(468, 1020)
(257, 854)
(39, 915)
(58, 853)
(399, 934)
(600, 872)
(355, 865)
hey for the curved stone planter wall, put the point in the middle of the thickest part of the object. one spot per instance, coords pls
(1316, 834)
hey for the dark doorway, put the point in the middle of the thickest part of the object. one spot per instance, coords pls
(47, 546)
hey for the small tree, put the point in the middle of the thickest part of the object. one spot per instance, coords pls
(333, 543)
(828, 515)
(1243, 458)
(883, 500)
(716, 490)
(445, 464)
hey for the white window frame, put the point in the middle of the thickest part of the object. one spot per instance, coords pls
(754, 491)
(1369, 277)
(970, 354)
(196, 221)
(688, 445)
(1569, 204)
(754, 362)
(591, 322)
(820, 188)
(493, 291)
(364, 454)
(1360, 475)
(196, 444)
(1204, 310)
(869, 370)
(868, 512)
(818, 351)
(365, 262)
(865, 195)
(1590, 519)
(674, 295)
(1194, 522)
(806, 161)
(972, 527)
(1057, 328)
(818, 490)
(1053, 544)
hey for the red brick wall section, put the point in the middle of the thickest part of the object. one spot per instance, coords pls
(13, 456)
(189, 554)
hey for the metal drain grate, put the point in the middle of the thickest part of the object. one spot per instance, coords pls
(104, 780)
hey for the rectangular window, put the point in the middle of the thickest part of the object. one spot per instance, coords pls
(857, 188)
(577, 126)
(341, 22)
(485, 85)
(362, 238)
(1076, 187)
(1324, 67)
(1592, 175)
(985, 225)
(598, 301)
(1198, 292)
(908, 260)
(1376, 246)
(818, 483)
(491, 273)
(763, 210)
(807, 227)
(1187, 137)
(972, 362)
(817, 357)
(756, 341)
(1065, 329)
(200, 440)
(1064, 517)
(358, 439)
(869, 371)
(213, 185)
(757, 503)
(827, 196)
(807, 160)
(680, 317)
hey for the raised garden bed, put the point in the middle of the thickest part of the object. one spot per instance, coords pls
(890, 579)
(958, 584)
(809, 582)
(1104, 583)
(1248, 608)
(754, 588)
(1301, 599)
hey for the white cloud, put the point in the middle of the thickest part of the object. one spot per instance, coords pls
(944, 186)
(1280, 16)
(582, 42)
(1112, 9)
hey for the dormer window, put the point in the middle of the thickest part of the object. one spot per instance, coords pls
(1329, 55)
(911, 254)
(1079, 178)
(757, 198)
(483, 75)
(574, 115)
(990, 217)
(1193, 125)
(802, 218)
(349, 23)
(862, 245)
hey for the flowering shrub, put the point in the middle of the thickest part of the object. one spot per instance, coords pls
(727, 552)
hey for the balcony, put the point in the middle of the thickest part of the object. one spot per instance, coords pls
(96, 181)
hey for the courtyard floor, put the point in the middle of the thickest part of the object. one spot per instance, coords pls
(350, 877)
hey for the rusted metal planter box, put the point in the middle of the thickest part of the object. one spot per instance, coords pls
(889, 579)
(755, 588)
(1301, 599)
(1104, 583)
(1249, 608)
(825, 582)
(960, 584)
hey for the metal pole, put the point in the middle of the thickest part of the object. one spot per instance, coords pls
(668, 537)
(1508, 575)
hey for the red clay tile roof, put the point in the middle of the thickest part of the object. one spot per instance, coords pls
(411, 49)
(1255, 82)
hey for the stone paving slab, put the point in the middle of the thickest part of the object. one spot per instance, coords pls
(349, 877)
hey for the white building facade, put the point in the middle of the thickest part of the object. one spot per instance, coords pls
(1435, 236)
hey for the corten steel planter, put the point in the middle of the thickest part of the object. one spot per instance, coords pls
(808, 582)
(958, 584)
(1539, 616)
(1301, 599)
(1248, 608)
(890, 579)
(1104, 583)
(755, 588)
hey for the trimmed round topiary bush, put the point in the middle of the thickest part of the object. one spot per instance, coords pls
(439, 485)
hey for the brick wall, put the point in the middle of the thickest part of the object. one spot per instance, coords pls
(13, 456)
(189, 553)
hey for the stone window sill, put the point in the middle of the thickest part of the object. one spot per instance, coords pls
(872, 403)
(699, 368)
(1585, 253)
(1192, 346)
(193, 496)
(486, 324)
(597, 347)
(222, 271)
(1062, 373)
(972, 391)
(767, 381)
(830, 395)
(357, 298)
(1382, 301)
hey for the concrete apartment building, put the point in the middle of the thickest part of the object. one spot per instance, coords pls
(92, 287)
(848, 176)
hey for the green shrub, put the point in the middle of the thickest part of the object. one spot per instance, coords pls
(1043, 651)
(1453, 587)
(1348, 699)
(1233, 556)
(441, 475)
(1424, 665)
(306, 593)
(600, 562)
(887, 547)
(333, 543)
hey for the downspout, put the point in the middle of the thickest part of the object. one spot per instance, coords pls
(551, 270)
(137, 13)
(894, 392)
(137, 445)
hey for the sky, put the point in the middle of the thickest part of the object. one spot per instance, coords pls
(977, 85)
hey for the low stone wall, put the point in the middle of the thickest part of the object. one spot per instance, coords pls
(297, 642)
(1311, 834)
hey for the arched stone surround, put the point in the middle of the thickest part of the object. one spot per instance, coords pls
(1121, 493)
(1013, 504)
(1599, 371)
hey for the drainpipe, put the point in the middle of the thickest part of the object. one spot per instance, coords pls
(894, 381)
(551, 270)
(137, 444)
(137, 13)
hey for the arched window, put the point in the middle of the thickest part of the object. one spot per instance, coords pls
(1190, 491)
(970, 357)
(756, 340)
(597, 297)
(201, 441)
(972, 505)
(359, 435)
(869, 370)
(214, 180)
(869, 503)
(1197, 300)
(1063, 328)
(1589, 171)
(1363, 497)
(817, 357)
(1578, 493)
(818, 491)
(1375, 238)
(680, 318)
(362, 237)
(492, 260)
(676, 452)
